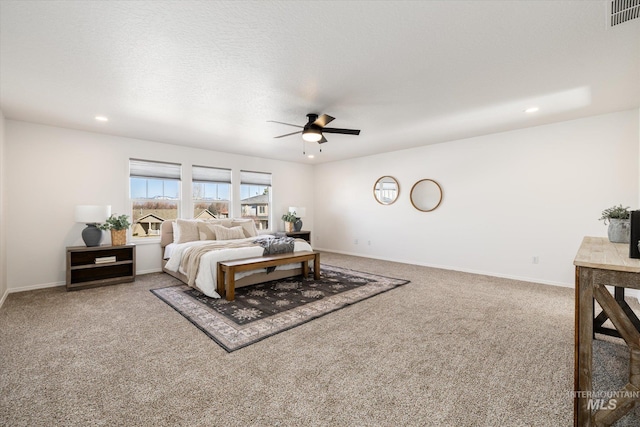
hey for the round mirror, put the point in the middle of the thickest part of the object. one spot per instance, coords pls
(386, 190)
(426, 195)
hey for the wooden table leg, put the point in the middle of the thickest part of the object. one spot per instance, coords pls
(316, 267)
(619, 296)
(617, 406)
(305, 269)
(583, 343)
(601, 318)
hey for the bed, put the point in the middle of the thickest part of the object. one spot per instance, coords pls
(192, 256)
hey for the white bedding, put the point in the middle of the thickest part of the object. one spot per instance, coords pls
(206, 279)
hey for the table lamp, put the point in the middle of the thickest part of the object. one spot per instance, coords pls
(92, 215)
(299, 212)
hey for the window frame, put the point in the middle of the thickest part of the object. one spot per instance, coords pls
(153, 170)
(261, 179)
(211, 175)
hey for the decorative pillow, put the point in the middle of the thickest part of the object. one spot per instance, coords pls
(248, 226)
(224, 233)
(206, 231)
(225, 222)
(185, 231)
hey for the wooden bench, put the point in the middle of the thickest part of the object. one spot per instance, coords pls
(227, 269)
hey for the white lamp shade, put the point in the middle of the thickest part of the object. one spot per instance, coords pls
(300, 211)
(91, 214)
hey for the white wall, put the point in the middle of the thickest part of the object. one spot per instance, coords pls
(51, 170)
(507, 198)
(3, 246)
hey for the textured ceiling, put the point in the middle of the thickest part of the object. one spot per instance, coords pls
(210, 74)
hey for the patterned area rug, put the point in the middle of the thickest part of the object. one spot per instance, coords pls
(260, 311)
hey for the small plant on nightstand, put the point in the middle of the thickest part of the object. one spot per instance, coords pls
(118, 226)
(289, 218)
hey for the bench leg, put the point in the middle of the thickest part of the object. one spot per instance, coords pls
(231, 284)
(220, 280)
(316, 267)
(305, 269)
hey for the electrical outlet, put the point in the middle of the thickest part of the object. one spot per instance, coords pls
(355, 241)
(369, 242)
(536, 259)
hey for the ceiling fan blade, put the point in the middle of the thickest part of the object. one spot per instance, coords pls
(288, 124)
(288, 134)
(322, 140)
(324, 120)
(343, 131)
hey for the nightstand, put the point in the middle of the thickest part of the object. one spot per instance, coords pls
(89, 267)
(306, 235)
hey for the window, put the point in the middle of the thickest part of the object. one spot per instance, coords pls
(155, 195)
(255, 197)
(211, 192)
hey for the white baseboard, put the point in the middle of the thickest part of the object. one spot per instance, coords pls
(632, 292)
(153, 270)
(35, 287)
(54, 284)
(463, 270)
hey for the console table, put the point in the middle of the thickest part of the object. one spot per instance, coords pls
(599, 263)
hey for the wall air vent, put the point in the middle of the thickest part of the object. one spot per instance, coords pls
(624, 10)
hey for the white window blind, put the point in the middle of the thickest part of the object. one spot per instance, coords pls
(255, 178)
(147, 169)
(208, 174)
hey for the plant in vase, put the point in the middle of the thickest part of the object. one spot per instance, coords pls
(289, 218)
(118, 226)
(617, 218)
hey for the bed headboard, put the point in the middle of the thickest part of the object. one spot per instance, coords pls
(166, 233)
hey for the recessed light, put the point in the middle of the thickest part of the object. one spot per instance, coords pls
(531, 110)
(102, 118)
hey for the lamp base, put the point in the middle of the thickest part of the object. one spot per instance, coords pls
(297, 226)
(92, 235)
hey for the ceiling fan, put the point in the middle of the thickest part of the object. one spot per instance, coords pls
(314, 129)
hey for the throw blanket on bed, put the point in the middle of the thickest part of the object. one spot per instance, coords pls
(190, 261)
(276, 245)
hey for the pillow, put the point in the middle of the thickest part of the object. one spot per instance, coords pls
(225, 222)
(224, 233)
(206, 231)
(248, 226)
(185, 231)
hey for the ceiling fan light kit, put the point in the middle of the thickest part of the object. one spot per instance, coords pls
(312, 135)
(315, 127)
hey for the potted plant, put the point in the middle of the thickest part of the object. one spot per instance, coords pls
(118, 226)
(619, 224)
(289, 218)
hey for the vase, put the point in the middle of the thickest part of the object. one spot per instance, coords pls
(288, 227)
(92, 235)
(619, 230)
(118, 237)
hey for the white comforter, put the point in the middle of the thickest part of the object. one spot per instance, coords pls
(206, 279)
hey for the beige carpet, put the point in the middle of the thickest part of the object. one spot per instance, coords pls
(448, 349)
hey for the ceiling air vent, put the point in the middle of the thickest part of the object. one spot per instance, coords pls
(624, 10)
